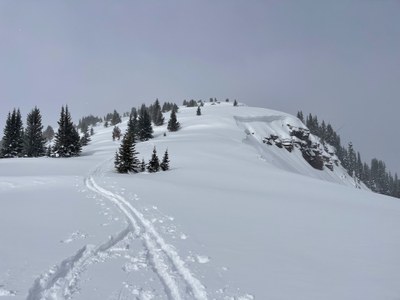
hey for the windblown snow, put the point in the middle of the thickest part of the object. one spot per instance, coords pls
(234, 219)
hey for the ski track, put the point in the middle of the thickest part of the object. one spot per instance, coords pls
(62, 280)
(161, 254)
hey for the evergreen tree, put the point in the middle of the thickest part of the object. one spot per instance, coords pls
(12, 143)
(126, 157)
(154, 163)
(359, 167)
(106, 124)
(48, 134)
(91, 131)
(159, 119)
(34, 142)
(133, 126)
(156, 114)
(116, 133)
(323, 131)
(300, 116)
(173, 124)
(198, 112)
(165, 162)
(67, 140)
(235, 103)
(145, 130)
(116, 118)
(352, 159)
(143, 166)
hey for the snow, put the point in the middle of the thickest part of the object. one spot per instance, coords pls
(234, 218)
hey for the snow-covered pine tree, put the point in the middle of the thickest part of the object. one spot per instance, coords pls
(173, 124)
(116, 133)
(300, 116)
(198, 112)
(48, 134)
(133, 126)
(143, 166)
(154, 163)
(116, 118)
(12, 145)
(145, 130)
(235, 103)
(157, 116)
(126, 158)
(165, 162)
(67, 140)
(34, 142)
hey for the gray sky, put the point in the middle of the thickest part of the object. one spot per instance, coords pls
(337, 59)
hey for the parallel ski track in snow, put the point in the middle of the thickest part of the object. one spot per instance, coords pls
(62, 281)
(164, 259)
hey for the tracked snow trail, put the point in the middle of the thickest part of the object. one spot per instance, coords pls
(176, 277)
(61, 281)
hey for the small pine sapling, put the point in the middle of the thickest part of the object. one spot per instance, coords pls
(165, 162)
(154, 163)
(143, 166)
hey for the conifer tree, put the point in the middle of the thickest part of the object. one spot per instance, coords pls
(126, 158)
(116, 133)
(165, 162)
(48, 134)
(143, 166)
(145, 130)
(67, 140)
(173, 124)
(198, 112)
(300, 116)
(12, 143)
(157, 116)
(154, 163)
(235, 103)
(116, 118)
(34, 142)
(133, 126)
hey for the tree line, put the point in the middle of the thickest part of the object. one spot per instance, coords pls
(31, 141)
(375, 175)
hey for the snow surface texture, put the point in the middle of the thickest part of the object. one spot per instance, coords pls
(233, 219)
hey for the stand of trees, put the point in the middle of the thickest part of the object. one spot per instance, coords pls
(374, 175)
(31, 141)
(67, 139)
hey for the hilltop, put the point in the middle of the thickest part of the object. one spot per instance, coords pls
(238, 216)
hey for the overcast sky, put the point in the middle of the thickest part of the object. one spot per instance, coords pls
(337, 59)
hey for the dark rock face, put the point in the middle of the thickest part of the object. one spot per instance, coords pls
(312, 152)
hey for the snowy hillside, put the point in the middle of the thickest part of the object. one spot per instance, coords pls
(234, 218)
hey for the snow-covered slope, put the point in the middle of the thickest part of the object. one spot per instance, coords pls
(233, 219)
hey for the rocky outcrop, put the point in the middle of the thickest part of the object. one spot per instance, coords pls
(315, 153)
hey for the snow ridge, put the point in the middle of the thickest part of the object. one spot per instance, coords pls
(164, 258)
